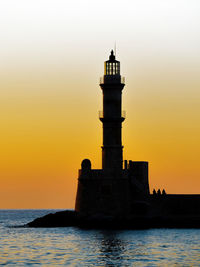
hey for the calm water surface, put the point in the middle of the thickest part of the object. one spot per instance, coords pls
(76, 247)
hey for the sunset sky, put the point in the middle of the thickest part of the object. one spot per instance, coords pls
(52, 54)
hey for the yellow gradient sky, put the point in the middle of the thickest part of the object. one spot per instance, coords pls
(52, 54)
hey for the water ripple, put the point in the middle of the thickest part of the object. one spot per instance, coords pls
(76, 247)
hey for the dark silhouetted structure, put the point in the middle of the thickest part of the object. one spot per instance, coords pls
(117, 196)
(113, 190)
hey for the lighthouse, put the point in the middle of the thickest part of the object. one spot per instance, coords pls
(117, 195)
(112, 117)
(112, 190)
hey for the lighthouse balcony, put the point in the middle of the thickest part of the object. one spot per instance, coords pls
(110, 79)
(108, 117)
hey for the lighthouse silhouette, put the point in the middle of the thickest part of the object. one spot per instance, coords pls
(112, 85)
(117, 189)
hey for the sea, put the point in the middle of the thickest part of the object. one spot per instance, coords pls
(72, 246)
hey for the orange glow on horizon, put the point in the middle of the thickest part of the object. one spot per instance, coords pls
(52, 58)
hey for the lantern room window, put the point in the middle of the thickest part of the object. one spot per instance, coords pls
(112, 66)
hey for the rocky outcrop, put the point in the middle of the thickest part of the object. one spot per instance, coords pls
(72, 218)
(58, 219)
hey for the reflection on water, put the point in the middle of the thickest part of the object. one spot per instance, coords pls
(77, 247)
(111, 248)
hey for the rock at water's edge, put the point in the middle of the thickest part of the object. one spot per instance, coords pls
(58, 219)
(72, 218)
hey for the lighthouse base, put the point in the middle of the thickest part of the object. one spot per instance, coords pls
(113, 193)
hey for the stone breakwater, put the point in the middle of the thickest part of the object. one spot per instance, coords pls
(72, 218)
(168, 211)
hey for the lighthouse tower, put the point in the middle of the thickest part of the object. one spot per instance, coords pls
(112, 85)
(112, 190)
